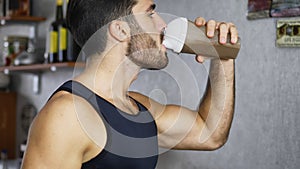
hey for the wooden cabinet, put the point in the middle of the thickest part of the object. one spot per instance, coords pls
(8, 123)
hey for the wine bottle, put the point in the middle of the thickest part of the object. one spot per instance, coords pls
(53, 43)
(58, 36)
(73, 49)
(62, 33)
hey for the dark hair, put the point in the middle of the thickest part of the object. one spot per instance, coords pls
(85, 17)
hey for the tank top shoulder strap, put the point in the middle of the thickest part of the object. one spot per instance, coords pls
(79, 90)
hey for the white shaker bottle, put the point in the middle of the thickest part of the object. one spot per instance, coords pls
(183, 36)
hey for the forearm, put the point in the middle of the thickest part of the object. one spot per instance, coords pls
(217, 107)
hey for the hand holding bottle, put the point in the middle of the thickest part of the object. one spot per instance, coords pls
(184, 36)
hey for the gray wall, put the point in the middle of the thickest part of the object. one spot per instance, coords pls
(264, 134)
(265, 131)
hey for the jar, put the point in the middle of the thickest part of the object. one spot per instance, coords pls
(18, 7)
(13, 45)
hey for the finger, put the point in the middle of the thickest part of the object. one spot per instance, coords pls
(223, 27)
(200, 21)
(211, 27)
(218, 24)
(234, 34)
(199, 59)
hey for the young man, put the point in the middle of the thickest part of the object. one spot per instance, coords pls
(94, 122)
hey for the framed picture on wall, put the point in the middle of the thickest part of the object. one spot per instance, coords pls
(288, 33)
(258, 9)
(285, 8)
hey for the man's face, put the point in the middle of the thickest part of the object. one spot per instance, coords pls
(145, 47)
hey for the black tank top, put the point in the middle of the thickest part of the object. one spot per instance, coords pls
(131, 139)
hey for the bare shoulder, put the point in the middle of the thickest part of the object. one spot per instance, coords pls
(58, 116)
(57, 137)
(154, 107)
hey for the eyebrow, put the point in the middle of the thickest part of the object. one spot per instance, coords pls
(151, 8)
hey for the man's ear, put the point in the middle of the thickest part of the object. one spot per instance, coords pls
(119, 30)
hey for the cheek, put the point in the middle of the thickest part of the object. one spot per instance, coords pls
(147, 24)
(160, 24)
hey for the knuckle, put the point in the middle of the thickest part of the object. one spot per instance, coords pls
(211, 22)
(230, 24)
(200, 20)
(223, 28)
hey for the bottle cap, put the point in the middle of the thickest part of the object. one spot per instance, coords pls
(59, 2)
(175, 34)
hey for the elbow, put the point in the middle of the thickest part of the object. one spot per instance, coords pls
(215, 144)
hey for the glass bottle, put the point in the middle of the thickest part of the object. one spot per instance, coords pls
(4, 159)
(58, 36)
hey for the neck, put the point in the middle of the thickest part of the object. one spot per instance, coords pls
(110, 77)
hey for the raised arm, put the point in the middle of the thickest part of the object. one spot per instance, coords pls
(217, 107)
(207, 128)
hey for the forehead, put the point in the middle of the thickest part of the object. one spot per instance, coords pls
(142, 6)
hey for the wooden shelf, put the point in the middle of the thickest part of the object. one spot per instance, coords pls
(37, 69)
(40, 67)
(21, 19)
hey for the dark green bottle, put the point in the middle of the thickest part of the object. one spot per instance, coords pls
(58, 36)
(62, 33)
(53, 43)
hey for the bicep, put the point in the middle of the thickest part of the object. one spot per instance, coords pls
(180, 128)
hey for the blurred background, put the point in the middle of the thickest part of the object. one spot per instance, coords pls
(265, 131)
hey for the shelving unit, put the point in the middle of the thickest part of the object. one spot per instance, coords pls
(21, 19)
(31, 20)
(40, 67)
(35, 69)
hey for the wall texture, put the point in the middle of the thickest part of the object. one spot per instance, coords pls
(265, 132)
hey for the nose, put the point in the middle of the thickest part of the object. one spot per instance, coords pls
(159, 22)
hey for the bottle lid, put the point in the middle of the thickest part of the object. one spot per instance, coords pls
(175, 34)
(59, 2)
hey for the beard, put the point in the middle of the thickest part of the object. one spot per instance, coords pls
(144, 51)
